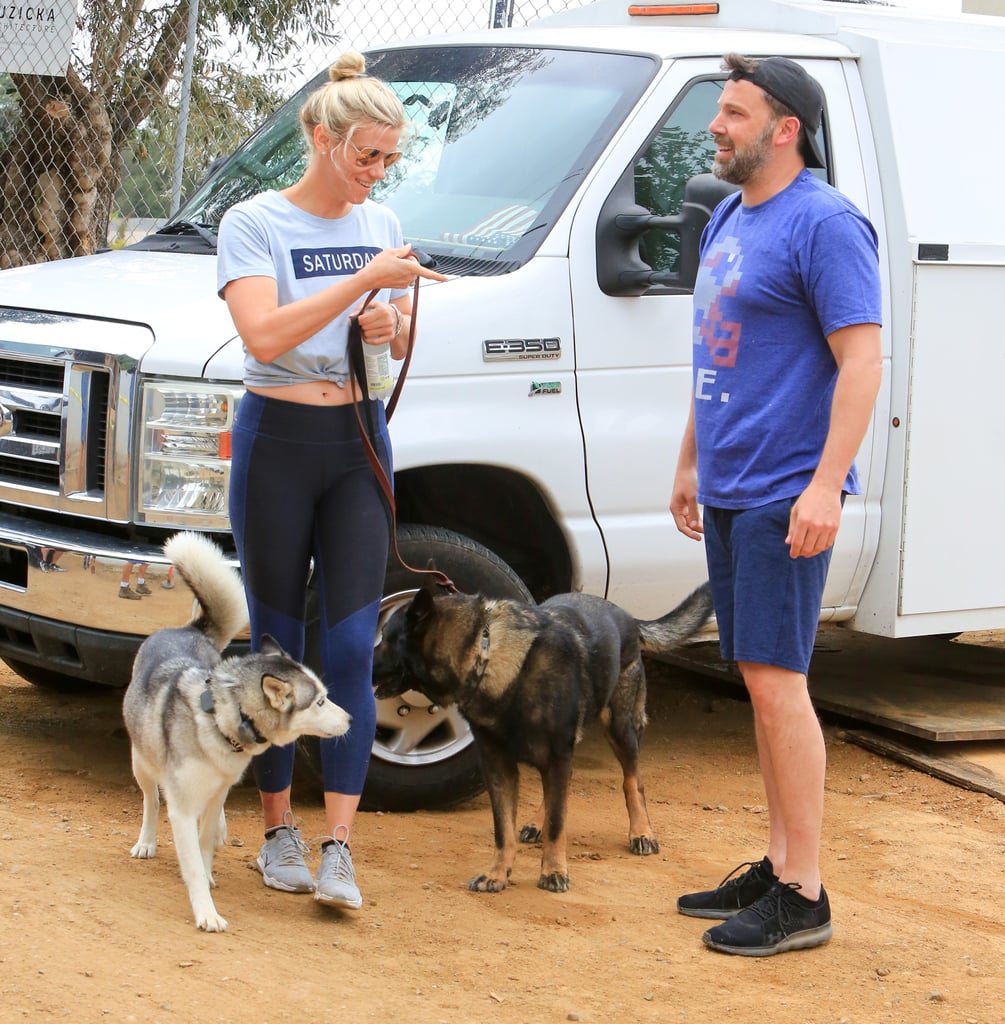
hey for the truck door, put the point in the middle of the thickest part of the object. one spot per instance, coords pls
(633, 351)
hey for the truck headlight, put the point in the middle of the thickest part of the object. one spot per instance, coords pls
(184, 471)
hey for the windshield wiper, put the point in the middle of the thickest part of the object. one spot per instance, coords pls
(186, 227)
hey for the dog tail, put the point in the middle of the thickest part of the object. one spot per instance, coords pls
(659, 636)
(223, 609)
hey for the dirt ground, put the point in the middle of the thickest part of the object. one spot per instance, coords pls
(915, 869)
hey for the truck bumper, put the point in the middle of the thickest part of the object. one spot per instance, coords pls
(70, 620)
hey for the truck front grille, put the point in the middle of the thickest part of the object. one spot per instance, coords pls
(17, 373)
(51, 411)
(66, 401)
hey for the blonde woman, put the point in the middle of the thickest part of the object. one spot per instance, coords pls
(294, 266)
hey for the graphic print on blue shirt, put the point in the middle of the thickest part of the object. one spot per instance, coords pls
(724, 265)
(775, 281)
(331, 261)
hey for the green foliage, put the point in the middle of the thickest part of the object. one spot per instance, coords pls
(239, 77)
(275, 28)
(8, 109)
(146, 177)
(128, 55)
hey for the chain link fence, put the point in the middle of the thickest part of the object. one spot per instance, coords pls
(100, 147)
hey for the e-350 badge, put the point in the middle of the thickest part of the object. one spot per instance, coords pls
(499, 349)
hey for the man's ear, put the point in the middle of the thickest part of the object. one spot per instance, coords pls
(787, 130)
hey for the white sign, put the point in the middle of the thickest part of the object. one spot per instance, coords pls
(35, 38)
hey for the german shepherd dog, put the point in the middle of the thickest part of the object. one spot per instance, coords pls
(527, 677)
(195, 720)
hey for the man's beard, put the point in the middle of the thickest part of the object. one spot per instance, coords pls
(742, 165)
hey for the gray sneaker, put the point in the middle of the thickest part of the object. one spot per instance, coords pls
(336, 876)
(281, 860)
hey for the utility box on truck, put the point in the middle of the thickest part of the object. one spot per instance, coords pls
(559, 175)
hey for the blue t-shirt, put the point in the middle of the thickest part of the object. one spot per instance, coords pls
(267, 236)
(773, 282)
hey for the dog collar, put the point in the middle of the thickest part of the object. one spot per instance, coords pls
(247, 730)
(482, 657)
(478, 668)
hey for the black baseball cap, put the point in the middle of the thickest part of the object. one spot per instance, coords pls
(792, 85)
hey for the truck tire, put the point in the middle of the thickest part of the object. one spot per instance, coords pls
(423, 756)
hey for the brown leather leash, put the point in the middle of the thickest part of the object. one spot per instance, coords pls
(368, 432)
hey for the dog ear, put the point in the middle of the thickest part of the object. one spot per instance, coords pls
(278, 691)
(270, 647)
(431, 579)
(421, 606)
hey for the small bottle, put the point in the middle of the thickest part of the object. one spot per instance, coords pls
(377, 360)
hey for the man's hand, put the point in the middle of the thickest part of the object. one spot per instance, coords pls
(684, 504)
(814, 521)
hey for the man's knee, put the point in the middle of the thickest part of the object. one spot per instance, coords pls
(767, 684)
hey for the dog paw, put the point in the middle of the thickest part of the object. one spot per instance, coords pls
(211, 922)
(554, 882)
(530, 833)
(644, 845)
(143, 851)
(488, 883)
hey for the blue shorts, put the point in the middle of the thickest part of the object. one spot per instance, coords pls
(767, 605)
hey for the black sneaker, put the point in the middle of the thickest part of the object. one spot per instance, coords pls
(779, 921)
(732, 894)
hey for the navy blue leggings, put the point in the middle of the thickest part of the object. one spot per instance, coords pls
(301, 488)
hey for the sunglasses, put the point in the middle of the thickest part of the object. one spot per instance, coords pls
(367, 155)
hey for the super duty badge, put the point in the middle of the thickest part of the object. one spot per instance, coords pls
(499, 349)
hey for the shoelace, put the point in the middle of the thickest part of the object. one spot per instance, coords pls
(337, 860)
(774, 903)
(739, 879)
(292, 849)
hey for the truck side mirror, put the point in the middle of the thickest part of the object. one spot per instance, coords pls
(620, 269)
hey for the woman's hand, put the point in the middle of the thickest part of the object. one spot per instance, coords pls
(380, 323)
(396, 268)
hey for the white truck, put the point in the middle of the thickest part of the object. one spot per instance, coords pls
(558, 173)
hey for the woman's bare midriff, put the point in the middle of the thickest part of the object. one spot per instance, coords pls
(312, 392)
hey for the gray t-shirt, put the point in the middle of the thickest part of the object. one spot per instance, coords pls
(267, 236)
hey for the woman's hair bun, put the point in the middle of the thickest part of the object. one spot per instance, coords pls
(349, 65)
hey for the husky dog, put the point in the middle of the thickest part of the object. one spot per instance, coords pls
(195, 720)
(527, 677)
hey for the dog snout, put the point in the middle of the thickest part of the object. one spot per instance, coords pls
(336, 721)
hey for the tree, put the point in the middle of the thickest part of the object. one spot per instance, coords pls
(61, 157)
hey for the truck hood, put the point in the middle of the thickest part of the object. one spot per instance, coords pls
(173, 294)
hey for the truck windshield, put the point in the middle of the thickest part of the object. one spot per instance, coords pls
(498, 141)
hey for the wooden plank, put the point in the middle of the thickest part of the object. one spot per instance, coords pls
(939, 690)
(976, 766)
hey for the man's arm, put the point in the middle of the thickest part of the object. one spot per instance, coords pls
(816, 515)
(684, 498)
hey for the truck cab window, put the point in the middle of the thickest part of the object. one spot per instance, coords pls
(499, 140)
(649, 228)
(680, 149)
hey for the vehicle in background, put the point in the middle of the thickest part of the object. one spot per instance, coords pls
(558, 173)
